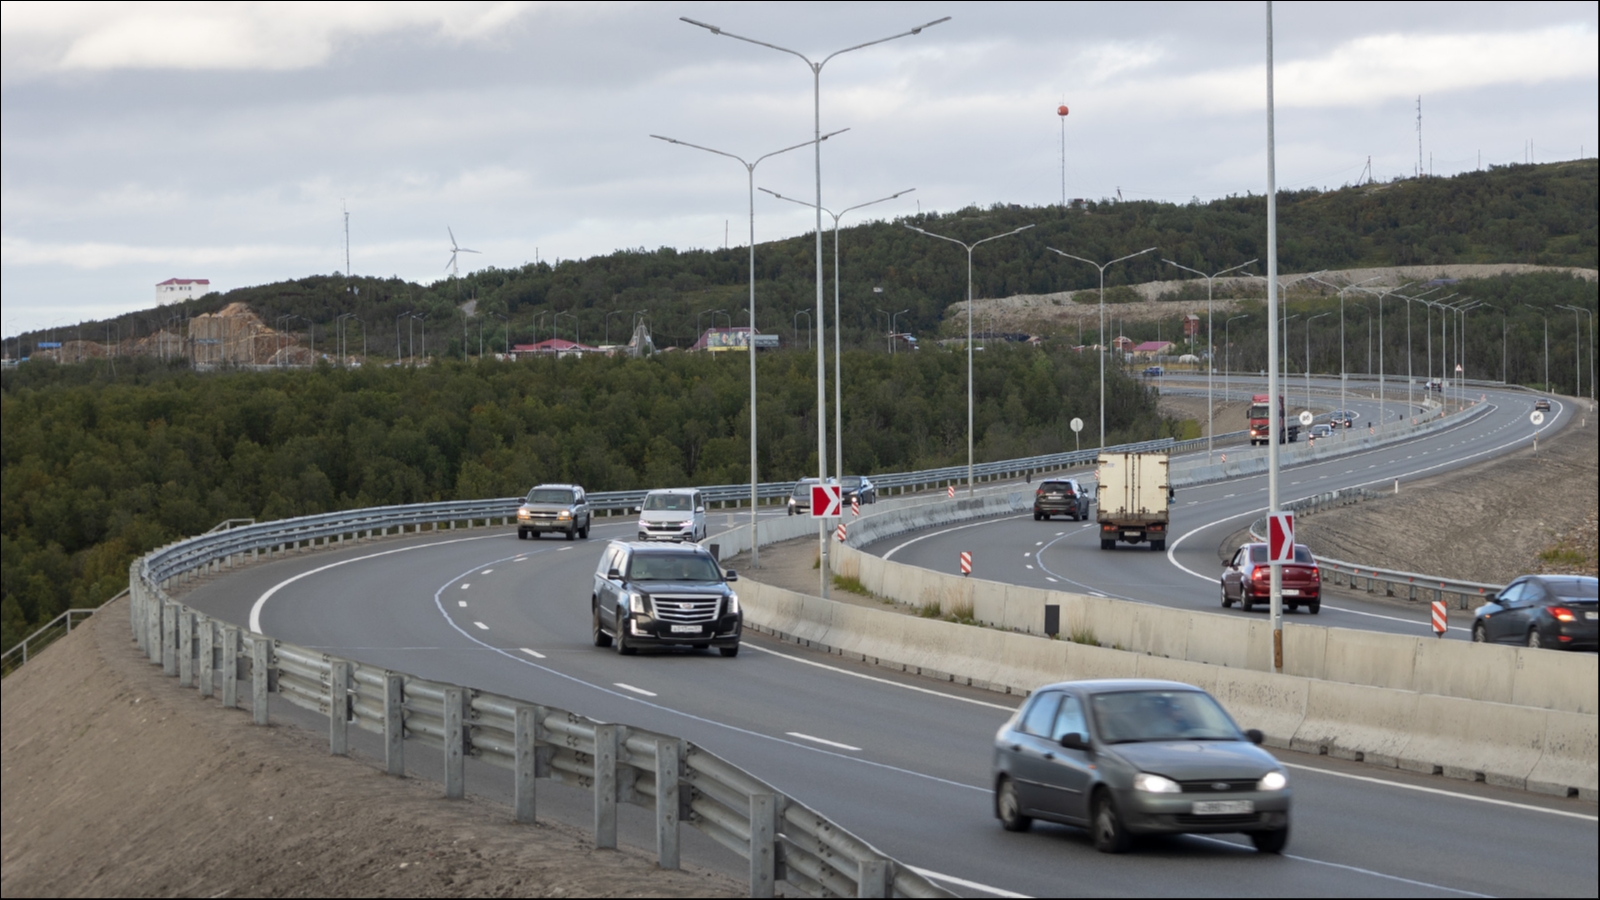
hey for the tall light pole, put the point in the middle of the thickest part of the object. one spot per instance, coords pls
(969, 248)
(1342, 376)
(816, 116)
(894, 328)
(1577, 357)
(1227, 338)
(1274, 414)
(1546, 343)
(1211, 350)
(797, 314)
(838, 395)
(1381, 295)
(1102, 269)
(1308, 354)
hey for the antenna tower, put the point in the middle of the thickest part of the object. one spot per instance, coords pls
(1419, 135)
(1061, 113)
(346, 238)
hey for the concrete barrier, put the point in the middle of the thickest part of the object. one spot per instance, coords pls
(1549, 679)
(1568, 763)
(1491, 742)
(1351, 721)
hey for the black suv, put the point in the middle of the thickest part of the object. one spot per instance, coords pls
(1062, 496)
(650, 594)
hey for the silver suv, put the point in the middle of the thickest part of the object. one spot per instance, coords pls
(554, 507)
(660, 595)
(673, 514)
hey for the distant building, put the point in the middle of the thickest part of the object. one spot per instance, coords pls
(176, 289)
(717, 340)
(555, 346)
(1152, 348)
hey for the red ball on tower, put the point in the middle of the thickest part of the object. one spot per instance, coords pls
(1062, 110)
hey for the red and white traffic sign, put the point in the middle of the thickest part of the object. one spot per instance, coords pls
(825, 501)
(951, 492)
(966, 563)
(1441, 618)
(855, 505)
(840, 531)
(1280, 537)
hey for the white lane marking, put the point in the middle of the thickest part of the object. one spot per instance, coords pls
(1028, 553)
(640, 691)
(823, 741)
(1051, 580)
(1030, 566)
(1058, 534)
(465, 585)
(1229, 496)
(562, 549)
(485, 571)
(533, 653)
(463, 604)
(948, 530)
(865, 677)
(1348, 868)
(972, 885)
(481, 626)
(1098, 594)
(1444, 793)
(261, 601)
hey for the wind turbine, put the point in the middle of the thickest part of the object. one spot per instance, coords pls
(454, 249)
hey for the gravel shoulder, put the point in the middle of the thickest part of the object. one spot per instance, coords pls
(119, 783)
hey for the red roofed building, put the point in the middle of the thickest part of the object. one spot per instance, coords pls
(1152, 348)
(175, 289)
(557, 346)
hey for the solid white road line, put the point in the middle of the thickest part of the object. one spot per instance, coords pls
(824, 742)
(1444, 793)
(640, 691)
(533, 653)
(865, 677)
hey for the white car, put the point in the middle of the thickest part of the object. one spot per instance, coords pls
(673, 514)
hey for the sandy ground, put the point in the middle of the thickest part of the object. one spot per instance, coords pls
(119, 783)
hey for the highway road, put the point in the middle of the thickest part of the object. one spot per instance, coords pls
(1064, 555)
(901, 761)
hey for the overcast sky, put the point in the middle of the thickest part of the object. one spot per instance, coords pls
(144, 141)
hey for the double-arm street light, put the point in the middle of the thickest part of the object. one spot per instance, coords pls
(1546, 343)
(969, 248)
(1227, 361)
(1211, 361)
(1577, 349)
(1381, 295)
(1342, 375)
(1308, 354)
(838, 396)
(816, 116)
(750, 184)
(1102, 269)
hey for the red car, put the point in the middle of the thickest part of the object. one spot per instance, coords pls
(1247, 579)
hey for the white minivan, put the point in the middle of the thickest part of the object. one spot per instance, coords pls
(673, 514)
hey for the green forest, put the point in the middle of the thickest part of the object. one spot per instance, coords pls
(100, 467)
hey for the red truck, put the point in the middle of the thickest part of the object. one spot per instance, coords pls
(1260, 425)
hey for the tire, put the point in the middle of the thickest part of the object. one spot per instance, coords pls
(1008, 809)
(521, 535)
(1479, 634)
(1270, 841)
(1226, 603)
(584, 531)
(1535, 640)
(729, 652)
(1159, 546)
(1106, 827)
(534, 534)
(623, 646)
(572, 533)
(1293, 607)
(1037, 517)
(1107, 545)
(1315, 606)
(1246, 602)
(601, 639)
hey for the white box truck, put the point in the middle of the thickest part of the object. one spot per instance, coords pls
(1134, 498)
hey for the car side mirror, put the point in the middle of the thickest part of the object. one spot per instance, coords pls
(1072, 740)
(635, 509)
(614, 574)
(1492, 598)
(1254, 735)
(699, 509)
(730, 575)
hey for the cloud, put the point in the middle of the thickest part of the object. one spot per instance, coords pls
(99, 255)
(218, 36)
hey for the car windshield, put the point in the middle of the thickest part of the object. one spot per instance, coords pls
(1577, 589)
(851, 482)
(803, 489)
(1259, 411)
(549, 495)
(1134, 716)
(673, 567)
(672, 502)
(1258, 554)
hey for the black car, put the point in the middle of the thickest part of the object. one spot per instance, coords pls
(1556, 611)
(650, 594)
(1122, 757)
(1060, 497)
(858, 486)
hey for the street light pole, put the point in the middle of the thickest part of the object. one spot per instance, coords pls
(971, 487)
(750, 182)
(816, 115)
(894, 328)
(1342, 376)
(838, 395)
(1308, 354)
(1227, 338)
(1211, 350)
(1102, 269)
(1577, 357)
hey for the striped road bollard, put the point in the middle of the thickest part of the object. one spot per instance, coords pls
(951, 492)
(840, 532)
(855, 507)
(966, 562)
(1441, 618)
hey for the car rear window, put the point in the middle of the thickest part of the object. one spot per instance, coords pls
(1258, 554)
(1056, 486)
(1584, 589)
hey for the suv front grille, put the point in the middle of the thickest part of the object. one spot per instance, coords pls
(686, 610)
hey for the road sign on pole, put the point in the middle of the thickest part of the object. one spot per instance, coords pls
(966, 563)
(825, 502)
(1280, 537)
(1441, 618)
(1306, 418)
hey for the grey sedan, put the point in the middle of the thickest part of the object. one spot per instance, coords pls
(1124, 757)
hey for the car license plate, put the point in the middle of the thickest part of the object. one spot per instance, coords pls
(1291, 592)
(1223, 807)
(686, 629)
(1591, 616)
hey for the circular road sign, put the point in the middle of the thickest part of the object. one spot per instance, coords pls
(1306, 417)
(1537, 418)
(1077, 424)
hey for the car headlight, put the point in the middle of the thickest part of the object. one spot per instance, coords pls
(636, 603)
(1273, 781)
(1155, 784)
(564, 514)
(522, 513)
(733, 604)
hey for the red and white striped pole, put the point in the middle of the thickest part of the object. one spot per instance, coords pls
(840, 531)
(1441, 618)
(966, 563)
(855, 505)
(951, 493)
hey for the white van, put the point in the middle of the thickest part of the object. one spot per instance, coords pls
(673, 514)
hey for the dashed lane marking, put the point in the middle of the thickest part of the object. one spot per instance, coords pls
(533, 653)
(481, 626)
(823, 741)
(640, 691)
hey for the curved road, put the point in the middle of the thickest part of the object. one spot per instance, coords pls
(902, 761)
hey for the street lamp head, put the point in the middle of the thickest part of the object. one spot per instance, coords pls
(711, 28)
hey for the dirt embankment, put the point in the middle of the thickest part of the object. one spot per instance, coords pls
(1501, 518)
(119, 783)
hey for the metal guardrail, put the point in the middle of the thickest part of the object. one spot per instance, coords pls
(1411, 586)
(680, 782)
(47, 634)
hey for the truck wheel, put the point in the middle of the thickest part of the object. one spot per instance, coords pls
(584, 533)
(521, 535)
(572, 533)
(1107, 544)
(1158, 545)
